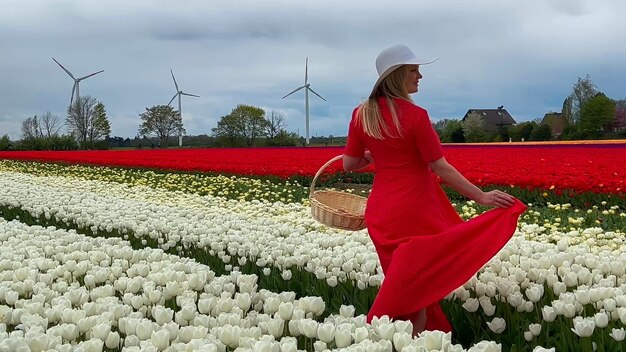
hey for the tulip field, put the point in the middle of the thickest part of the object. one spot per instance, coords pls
(216, 250)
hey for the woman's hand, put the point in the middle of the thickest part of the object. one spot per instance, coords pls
(368, 156)
(496, 198)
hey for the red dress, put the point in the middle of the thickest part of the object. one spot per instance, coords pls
(425, 249)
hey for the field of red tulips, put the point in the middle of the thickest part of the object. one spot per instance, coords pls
(582, 168)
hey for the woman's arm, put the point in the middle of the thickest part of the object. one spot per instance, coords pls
(454, 179)
(352, 163)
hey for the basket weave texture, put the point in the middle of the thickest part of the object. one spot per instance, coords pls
(341, 210)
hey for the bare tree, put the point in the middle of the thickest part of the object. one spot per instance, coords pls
(275, 124)
(50, 125)
(30, 128)
(80, 117)
(584, 89)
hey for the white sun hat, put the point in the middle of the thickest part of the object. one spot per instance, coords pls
(393, 57)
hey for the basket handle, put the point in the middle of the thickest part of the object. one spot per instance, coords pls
(319, 172)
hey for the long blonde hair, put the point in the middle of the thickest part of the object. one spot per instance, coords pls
(368, 113)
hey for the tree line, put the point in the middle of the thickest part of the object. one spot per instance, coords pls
(587, 113)
(88, 127)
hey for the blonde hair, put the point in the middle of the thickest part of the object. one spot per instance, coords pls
(368, 113)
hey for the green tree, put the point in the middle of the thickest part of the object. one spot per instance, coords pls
(162, 121)
(284, 139)
(100, 127)
(522, 131)
(227, 129)
(452, 132)
(244, 121)
(597, 113)
(474, 129)
(5, 142)
(541, 133)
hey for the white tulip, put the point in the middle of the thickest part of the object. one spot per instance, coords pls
(601, 319)
(101, 331)
(486, 346)
(11, 297)
(160, 339)
(113, 340)
(618, 334)
(289, 344)
(286, 275)
(534, 293)
(403, 326)
(262, 346)
(487, 306)
(185, 333)
(285, 310)
(471, 305)
(401, 339)
(548, 313)
(535, 329)
(131, 341)
(275, 327)
(144, 329)
(36, 341)
(497, 325)
(326, 332)
(271, 305)
(319, 346)
(243, 300)
(528, 336)
(294, 328)
(343, 337)
(583, 327)
(162, 315)
(347, 311)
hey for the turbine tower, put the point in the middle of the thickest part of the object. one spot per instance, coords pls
(179, 92)
(76, 81)
(307, 88)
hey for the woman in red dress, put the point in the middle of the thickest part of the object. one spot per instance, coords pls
(425, 249)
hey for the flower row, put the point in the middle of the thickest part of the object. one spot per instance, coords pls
(525, 280)
(595, 168)
(60, 290)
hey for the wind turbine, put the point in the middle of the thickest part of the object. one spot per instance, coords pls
(306, 88)
(76, 80)
(179, 92)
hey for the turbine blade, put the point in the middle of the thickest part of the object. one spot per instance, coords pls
(312, 91)
(93, 74)
(64, 69)
(73, 91)
(176, 84)
(306, 71)
(295, 90)
(171, 100)
(191, 95)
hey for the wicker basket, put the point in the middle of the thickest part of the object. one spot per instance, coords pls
(337, 209)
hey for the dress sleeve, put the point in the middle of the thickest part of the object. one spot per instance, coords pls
(427, 139)
(354, 144)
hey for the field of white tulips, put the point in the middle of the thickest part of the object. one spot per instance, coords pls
(107, 259)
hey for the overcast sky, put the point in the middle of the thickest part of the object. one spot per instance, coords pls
(525, 55)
